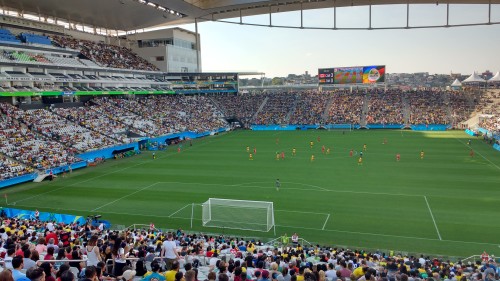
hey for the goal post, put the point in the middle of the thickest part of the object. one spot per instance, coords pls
(238, 214)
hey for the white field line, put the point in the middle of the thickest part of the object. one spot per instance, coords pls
(284, 226)
(301, 212)
(325, 222)
(495, 165)
(179, 210)
(123, 197)
(432, 216)
(271, 186)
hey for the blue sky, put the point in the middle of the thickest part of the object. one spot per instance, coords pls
(278, 52)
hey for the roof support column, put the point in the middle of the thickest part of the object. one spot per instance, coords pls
(197, 42)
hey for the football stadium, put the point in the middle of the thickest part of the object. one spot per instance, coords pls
(121, 159)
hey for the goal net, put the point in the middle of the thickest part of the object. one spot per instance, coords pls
(238, 214)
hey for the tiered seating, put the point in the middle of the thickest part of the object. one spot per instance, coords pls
(7, 36)
(310, 107)
(118, 111)
(106, 55)
(65, 61)
(11, 169)
(385, 108)
(183, 113)
(277, 107)
(427, 107)
(26, 146)
(35, 39)
(62, 130)
(460, 107)
(345, 108)
(95, 119)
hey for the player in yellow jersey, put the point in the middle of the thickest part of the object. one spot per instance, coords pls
(360, 160)
(422, 154)
(364, 147)
(311, 144)
(248, 149)
(277, 156)
(328, 151)
(312, 158)
(294, 152)
(250, 156)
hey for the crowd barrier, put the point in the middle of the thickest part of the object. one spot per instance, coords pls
(496, 146)
(432, 127)
(385, 126)
(470, 133)
(44, 216)
(107, 153)
(65, 168)
(18, 180)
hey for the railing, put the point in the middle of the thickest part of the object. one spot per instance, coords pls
(279, 242)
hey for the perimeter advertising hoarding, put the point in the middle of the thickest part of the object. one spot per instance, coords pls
(352, 75)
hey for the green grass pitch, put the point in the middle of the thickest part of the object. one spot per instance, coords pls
(447, 203)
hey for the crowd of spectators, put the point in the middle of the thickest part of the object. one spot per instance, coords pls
(385, 108)
(180, 113)
(311, 106)
(63, 130)
(242, 106)
(26, 146)
(427, 107)
(276, 109)
(95, 119)
(160, 115)
(32, 246)
(345, 107)
(105, 54)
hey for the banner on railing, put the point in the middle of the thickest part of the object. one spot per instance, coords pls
(43, 216)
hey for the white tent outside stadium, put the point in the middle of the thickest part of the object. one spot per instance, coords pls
(495, 78)
(456, 83)
(474, 78)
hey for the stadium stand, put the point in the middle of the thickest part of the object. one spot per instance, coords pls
(106, 55)
(26, 146)
(8, 37)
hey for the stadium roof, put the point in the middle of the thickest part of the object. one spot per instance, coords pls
(129, 15)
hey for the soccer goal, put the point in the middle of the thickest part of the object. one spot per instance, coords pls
(238, 214)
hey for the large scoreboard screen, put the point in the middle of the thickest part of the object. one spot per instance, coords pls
(325, 75)
(352, 75)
